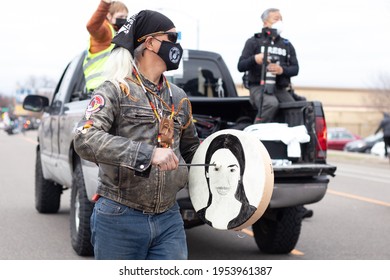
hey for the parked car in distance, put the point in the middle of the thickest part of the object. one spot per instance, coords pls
(364, 145)
(338, 137)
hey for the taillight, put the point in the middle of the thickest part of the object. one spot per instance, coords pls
(322, 142)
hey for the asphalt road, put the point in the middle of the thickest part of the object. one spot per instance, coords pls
(352, 222)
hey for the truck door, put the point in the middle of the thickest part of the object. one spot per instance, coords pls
(75, 103)
(62, 95)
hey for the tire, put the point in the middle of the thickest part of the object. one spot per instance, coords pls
(47, 192)
(278, 231)
(80, 214)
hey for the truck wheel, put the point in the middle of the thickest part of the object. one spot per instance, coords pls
(47, 192)
(278, 231)
(80, 213)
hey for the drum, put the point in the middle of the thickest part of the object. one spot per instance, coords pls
(231, 180)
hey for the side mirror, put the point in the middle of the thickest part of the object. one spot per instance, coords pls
(35, 103)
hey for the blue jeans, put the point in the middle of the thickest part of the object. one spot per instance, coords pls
(123, 233)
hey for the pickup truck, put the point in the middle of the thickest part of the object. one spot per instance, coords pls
(215, 106)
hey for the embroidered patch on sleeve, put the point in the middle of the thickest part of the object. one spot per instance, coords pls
(83, 126)
(96, 104)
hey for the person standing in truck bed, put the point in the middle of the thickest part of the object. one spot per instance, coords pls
(102, 27)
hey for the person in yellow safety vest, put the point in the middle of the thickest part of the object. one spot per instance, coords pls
(102, 27)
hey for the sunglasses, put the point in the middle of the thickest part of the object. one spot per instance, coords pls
(172, 36)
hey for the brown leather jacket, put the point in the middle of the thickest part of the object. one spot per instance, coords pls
(121, 135)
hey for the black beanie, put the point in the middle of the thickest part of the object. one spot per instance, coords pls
(143, 23)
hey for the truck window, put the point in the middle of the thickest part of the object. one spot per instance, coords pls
(201, 78)
(66, 82)
(71, 85)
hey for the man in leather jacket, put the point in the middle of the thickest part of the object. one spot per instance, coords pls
(266, 91)
(138, 128)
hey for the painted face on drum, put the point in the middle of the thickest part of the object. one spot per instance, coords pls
(224, 177)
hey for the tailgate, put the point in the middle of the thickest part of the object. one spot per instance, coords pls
(304, 169)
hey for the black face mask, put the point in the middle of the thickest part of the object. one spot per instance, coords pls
(119, 22)
(171, 54)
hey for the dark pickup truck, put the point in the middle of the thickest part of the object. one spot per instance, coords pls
(215, 105)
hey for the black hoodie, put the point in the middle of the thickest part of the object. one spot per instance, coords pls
(282, 50)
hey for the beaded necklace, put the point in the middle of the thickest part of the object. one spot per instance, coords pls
(165, 136)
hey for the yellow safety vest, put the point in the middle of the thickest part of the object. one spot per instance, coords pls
(93, 66)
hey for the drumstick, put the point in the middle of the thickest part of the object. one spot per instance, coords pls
(196, 164)
(201, 164)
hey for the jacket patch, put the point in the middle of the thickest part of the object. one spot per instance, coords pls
(97, 103)
(83, 126)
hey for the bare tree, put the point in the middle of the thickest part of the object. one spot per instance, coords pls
(381, 98)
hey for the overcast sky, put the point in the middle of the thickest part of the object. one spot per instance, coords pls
(339, 43)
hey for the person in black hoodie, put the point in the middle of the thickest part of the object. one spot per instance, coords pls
(385, 126)
(266, 91)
